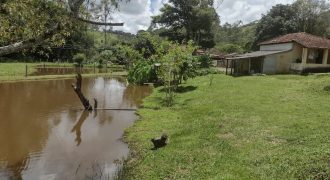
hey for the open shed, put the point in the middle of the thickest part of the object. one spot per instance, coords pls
(254, 62)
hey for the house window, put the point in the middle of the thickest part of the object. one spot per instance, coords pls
(315, 56)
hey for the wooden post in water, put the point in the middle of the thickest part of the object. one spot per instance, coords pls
(106, 67)
(26, 70)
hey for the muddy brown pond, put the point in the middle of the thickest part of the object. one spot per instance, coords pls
(45, 135)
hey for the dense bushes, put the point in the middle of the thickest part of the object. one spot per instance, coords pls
(79, 58)
(170, 62)
(205, 61)
(104, 57)
(142, 72)
(230, 48)
(150, 60)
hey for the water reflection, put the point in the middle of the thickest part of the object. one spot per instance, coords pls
(43, 135)
(77, 127)
(69, 70)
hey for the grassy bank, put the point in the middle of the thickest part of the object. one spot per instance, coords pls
(16, 69)
(273, 127)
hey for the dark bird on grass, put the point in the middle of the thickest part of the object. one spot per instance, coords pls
(160, 142)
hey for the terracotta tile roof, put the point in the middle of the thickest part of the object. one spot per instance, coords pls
(305, 39)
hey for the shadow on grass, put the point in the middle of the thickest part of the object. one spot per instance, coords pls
(185, 89)
(181, 89)
(326, 88)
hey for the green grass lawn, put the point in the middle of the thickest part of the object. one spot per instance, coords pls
(272, 127)
(16, 69)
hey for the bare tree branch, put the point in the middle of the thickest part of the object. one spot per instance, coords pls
(99, 23)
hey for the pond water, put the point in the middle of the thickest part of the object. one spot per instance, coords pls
(45, 135)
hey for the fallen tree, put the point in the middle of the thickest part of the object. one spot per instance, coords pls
(83, 99)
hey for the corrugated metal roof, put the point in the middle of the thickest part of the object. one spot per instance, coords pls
(256, 54)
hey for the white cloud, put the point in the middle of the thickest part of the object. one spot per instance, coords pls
(136, 14)
(246, 10)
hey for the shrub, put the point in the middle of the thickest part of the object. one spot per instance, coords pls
(205, 61)
(142, 72)
(204, 72)
(79, 58)
(104, 57)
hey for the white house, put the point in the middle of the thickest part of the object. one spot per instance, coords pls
(301, 52)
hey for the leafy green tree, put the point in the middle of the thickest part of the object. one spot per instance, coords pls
(104, 57)
(205, 61)
(176, 65)
(231, 48)
(33, 21)
(103, 10)
(235, 37)
(146, 43)
(25, 24)
(167, 56)
(126, 55)
(188, 20)
(301, 16)
(309, 16)
(277, 22)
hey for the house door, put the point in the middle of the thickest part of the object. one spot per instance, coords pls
(270, 64)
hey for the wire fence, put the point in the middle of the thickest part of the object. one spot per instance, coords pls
(41, 69)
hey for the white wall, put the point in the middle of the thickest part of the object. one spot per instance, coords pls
(276, 47)
(270, 64)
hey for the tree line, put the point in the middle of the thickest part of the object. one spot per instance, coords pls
(59, 29)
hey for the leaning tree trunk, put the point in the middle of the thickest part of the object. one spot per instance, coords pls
(77, 89)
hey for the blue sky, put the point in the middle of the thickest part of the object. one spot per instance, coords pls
(137, 13)
(153, 5)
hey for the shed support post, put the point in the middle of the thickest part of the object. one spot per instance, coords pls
(227, 67)
(325, 56)
(249, 65)
(231, 67)
(304, 56)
